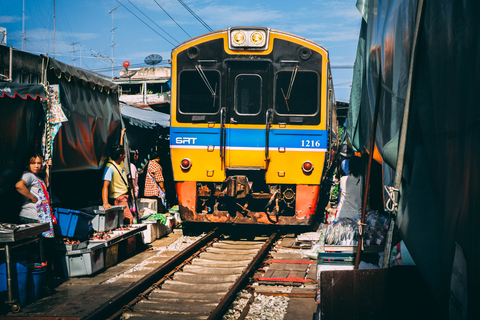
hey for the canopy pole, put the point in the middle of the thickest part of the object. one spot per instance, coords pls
(10, 64)
(367, 180)
(402, 143)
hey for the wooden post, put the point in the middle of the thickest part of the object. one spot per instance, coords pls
(369, 169)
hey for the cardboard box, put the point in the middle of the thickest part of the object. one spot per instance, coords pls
(111, 255)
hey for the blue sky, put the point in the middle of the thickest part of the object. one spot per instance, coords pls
(83, 29)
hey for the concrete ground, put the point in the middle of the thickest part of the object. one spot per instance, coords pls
(79, 296)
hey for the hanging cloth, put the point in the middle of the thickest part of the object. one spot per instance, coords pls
(44, 210)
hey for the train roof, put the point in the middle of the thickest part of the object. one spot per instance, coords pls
(268, 29)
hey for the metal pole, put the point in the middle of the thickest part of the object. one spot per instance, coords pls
(23, 27)
(53, 28)
(10, 64)
(113, 43)
(10, 280)
(402, 142)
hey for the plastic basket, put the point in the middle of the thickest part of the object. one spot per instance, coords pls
(73, 223)
(36, 278)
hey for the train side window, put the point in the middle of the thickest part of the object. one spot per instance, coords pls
(298, 94)
(248, 94)
(198, 95)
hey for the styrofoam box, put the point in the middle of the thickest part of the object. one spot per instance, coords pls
(151, 233)
(83, 262)
(147, 203)
(162, 230)
(155, 230)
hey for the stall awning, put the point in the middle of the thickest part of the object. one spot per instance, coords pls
(140, 81)
(22, 90)
(96, 81)
(145, 118)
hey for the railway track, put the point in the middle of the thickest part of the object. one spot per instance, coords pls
(199, 283)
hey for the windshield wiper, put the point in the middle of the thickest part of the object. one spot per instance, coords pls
(289, 91)
(205, 80)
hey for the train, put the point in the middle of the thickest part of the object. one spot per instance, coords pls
(253, 127)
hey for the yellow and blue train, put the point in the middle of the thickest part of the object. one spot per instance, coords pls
(253, 126)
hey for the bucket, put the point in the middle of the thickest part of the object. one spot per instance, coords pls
(20, 271)
(36, 277)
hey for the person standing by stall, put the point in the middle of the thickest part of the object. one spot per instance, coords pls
(134, 180)
(351, 186)
(115, 190)
(36, 206)
(154, 187)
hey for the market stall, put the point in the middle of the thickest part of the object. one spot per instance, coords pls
(13, 236)
(74, 120)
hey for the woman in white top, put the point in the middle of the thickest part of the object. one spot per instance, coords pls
(351, 186)
(36, 205)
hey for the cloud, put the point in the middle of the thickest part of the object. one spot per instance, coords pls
(220, 17)
(9, 19)
(345, 34)
(41, 34)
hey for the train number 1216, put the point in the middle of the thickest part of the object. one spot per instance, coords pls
(311, 143)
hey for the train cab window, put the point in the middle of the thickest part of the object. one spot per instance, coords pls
(199, 91)
(248, 94)
(296, 93)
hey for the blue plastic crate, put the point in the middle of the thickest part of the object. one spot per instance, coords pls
(73, 223)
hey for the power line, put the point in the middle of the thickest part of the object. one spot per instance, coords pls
(153, 21)
(146, 24)
(196, 17)
(172, 19)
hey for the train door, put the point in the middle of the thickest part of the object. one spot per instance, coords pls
(247, 104)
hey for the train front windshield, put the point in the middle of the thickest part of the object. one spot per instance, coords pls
(199, 91)
(296, 93)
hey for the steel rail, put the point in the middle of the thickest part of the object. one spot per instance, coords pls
(228, 298)
(125, 296)
(159, 283)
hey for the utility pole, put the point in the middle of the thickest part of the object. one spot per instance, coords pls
(23, 27)
(73, 51)
(113, 31)
(54, 29)
(101, 57)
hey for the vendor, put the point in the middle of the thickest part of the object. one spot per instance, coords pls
(115, 189)
(134, 181)
(36, 205)
(154, 186)
(351, 186)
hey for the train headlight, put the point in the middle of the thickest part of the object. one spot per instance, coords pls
(185, 164)
(238, 37)
(248, 38)
(307, 167)
(257, 37)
